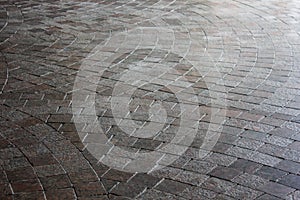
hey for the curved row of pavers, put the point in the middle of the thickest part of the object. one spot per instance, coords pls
(46, 114)
(38, 162)
(11, 19)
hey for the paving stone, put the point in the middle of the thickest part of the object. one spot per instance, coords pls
(113, 174)
(292, 155)
(49, 170)
(46, 159)
(60, 194)
(21, 174)
(245, 166)
(272, 150)
(270, 173)
(30, 195)
(131, 190)
(167, 172)
(171, 186)
(240, 152)
(249, 143)
(199, 193)
(283, 132)
(156, 194)
(250, 180)
(9, 153)
(265, 159)
(15, 163)
(86, 175)
(291, 180)
(56, 182)
(220, 159)
(26, 185)
(276, 189)
(221, 147)
(295, 146)
(35, 150)
(279, 141)
(240, 192)
(144, 180)
(224, 173)
(251, 117)
(289, 166)
(268, 197)
(191, 178)
(199, 166)
(218, 185)
(91, 189)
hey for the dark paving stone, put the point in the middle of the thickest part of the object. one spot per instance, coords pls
(276, 189)
(291, 180)
(289, 166)
(245, 166)
(26, 185)
(135, 186)
(49, 170)
(45, 159)
(86, 175)
(89, 189)
(171, 186)
(56, 182)
(221, 147)
(30, 195)
(113, 174)
(270, 173)
(225, 173)
(21, 174)
(60, 194)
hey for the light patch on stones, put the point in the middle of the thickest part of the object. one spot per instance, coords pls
(136, 73)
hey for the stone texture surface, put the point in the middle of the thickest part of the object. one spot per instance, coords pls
(254, 45)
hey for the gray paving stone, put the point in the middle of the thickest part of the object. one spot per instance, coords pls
(218, 185)
(199, 166)
(171, 186)
(220, 159)
(291, 180)
(249, 180)
(240, 192)
(246, 166)
(268, 197)
(197, 192)
(191, 178)
(270, 173)
(156, 194)
(289, 166)
(224, 173)
(276, 189)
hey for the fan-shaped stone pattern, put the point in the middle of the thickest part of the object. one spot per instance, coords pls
(11, 20)
(253, 44)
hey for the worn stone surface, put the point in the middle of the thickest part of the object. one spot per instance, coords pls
(204, 52)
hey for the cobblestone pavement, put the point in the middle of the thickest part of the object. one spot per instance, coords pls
(150, 99)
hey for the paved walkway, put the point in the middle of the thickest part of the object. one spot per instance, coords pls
(154, 99)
